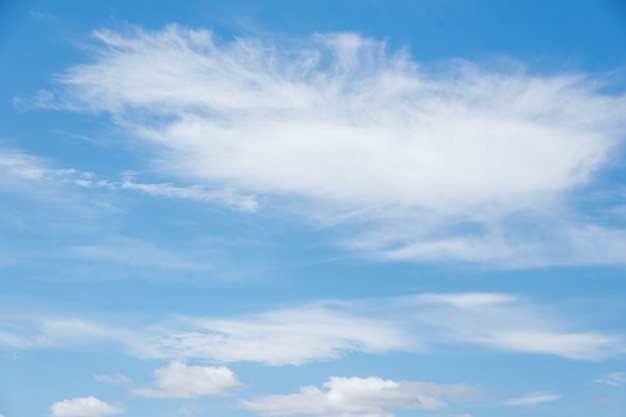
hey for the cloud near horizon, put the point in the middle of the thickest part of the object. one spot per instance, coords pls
(348, 397)
(84, 407)
(431, 163)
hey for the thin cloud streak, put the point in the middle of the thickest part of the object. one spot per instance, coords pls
(615, 379)
(532, 399)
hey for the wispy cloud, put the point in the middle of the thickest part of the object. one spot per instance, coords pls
(177, 380)
(117, 379)
(280, 337)
(329, 330)
(533, 398)
(23, 172)
(196, 193)
(349, 397)
(84, 407)
(72, 215)
(504, 322)
(616, 379)
(454, 162)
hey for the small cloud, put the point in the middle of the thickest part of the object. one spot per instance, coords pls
(463, 415)
(615, 379)
(84, 407)
(533, 398)
(181, 381)
(117, 379)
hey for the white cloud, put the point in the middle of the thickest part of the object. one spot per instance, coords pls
(23, 173)
(533, 399)
(359, 397)
(225, 197)
(416, 157)
(505, 322)
(84, 407)
(20, 165)
(616, 379)
(197, 193)
(328, 330)
(177, 380)
(280, 337)
(47, 330)
(117, 379)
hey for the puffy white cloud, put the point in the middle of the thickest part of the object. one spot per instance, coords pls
(533, 398)
(177, 380)
(616, 379)
(359, 397)
(117, 379)
(84, 407)
(431, 163)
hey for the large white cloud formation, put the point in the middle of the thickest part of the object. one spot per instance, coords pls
(340, 123)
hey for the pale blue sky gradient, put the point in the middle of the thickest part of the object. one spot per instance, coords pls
(315, 208)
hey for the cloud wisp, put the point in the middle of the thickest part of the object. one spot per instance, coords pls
(432, 163)
(117, 379)
(615, 379)
(329, 330)
(532, 399)
(508, 323)
(347, 397)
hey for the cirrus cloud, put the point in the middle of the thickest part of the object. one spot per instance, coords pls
(432, 163)
(533, 398)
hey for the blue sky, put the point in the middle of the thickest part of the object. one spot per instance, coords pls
(326, 209)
